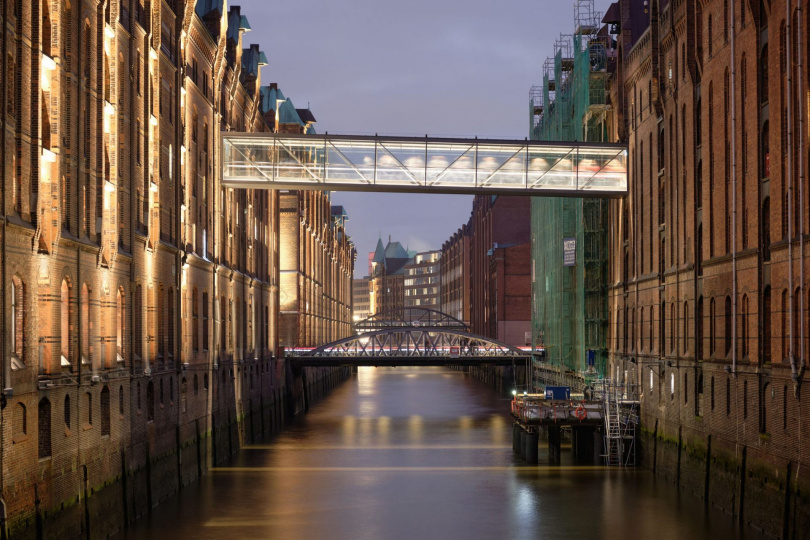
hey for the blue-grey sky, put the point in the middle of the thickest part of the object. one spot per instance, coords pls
(417, 67)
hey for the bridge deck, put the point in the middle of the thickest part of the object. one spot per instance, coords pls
(423, 165)
(400, 361)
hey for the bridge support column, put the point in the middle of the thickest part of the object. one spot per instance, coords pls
(532, 439)
(522, 443)
(582, 444)
(554, 438)
(516, 429)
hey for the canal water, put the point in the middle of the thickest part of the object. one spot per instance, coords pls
(420, 453)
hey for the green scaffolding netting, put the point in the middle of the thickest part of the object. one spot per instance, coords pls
(569, 303)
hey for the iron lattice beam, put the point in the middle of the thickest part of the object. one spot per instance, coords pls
(409, 317)
(416, 342)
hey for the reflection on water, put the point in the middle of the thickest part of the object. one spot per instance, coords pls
(420, 453)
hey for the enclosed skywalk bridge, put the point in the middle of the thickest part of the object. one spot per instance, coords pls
(423, 165)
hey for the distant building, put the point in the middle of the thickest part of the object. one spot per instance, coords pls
(500, 276)
(360, 299)
(387, 283)
(455, 275)
(423, 281)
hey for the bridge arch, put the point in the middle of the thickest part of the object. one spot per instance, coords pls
(409, 317)
(408, 342)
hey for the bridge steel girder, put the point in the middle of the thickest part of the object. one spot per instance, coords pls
(417, 342)
(410, 317)
(399, 361)
(423, 165)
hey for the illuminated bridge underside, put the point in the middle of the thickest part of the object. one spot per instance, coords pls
(423, 165)
(410, 347)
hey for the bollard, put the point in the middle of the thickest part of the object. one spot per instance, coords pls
(532, 438)
(516, 438)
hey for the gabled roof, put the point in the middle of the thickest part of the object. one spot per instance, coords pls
(306, 116)
(270, 95)
(287, 113)
(252, 60)
(234, 24)
(207, 7)
(379, 252)
(394, 250)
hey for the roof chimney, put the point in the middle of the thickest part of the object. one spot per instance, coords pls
(273, 86)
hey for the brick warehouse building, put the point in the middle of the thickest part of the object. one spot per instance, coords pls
(708, 291)
(139, 296)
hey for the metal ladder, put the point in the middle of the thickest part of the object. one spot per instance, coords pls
(613, 427)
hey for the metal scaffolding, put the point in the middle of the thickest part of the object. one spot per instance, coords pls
(569, 311)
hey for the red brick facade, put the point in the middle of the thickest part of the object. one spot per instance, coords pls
(707, 310)
(140, 297)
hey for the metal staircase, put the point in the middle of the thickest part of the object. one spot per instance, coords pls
(621, 419)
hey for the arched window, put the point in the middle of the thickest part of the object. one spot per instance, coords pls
(161, 320)
(712, 327)
(728, 325)
(150, 402)
(105, 411)
(44, 428)
(728, 397)
(223, 328)
(205, 321)
(672, 323)
(195, 323)
(89, 404)
(84, 317)
(67, 411)
(196, 385)
(766, 229)
(766, 325)
(120, 325)
(137, 312)
(121, 401)
(796, 318)
(744, 326)
(183, 394)
(170, 317)
(686, 324)
(784, 327)
(17, 322)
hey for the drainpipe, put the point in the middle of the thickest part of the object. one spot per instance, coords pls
(732, 31)
(801, 196)
(791, 353)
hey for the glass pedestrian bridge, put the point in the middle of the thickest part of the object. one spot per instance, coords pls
(423, 165)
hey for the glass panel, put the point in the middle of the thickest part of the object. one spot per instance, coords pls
(451, 165)
(401, 163)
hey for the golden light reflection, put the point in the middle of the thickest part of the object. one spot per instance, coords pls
(349, 429)
(366, 381)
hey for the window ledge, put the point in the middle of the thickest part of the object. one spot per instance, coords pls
(19, 438)
(87, 427)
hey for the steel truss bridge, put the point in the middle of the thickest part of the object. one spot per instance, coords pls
(410, 346)
(423, 165)
(407, 317)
